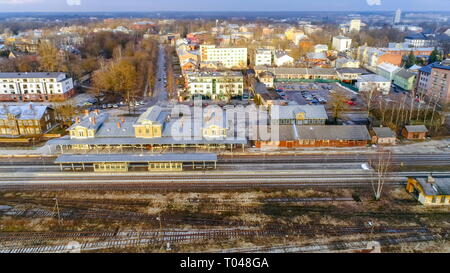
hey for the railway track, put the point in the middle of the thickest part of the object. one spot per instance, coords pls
(337, 246)
(133, 238)
(131, 186)
(119, 215)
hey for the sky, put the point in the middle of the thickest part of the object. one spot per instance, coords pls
(221, 5)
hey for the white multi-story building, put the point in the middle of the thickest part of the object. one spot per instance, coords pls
(216, 85)
(398, 16)
(263, 57)
(228, 57)
(35, 86)
(373, 82)
(355, 25)
(341, 43)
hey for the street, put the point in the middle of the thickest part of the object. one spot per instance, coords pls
(159, 94)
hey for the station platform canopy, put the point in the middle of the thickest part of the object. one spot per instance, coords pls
(136, 158)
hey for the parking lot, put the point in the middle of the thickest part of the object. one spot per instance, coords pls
(315, 93)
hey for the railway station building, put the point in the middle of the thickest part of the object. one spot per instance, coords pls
(156, 130)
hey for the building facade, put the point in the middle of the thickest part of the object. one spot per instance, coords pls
(263, 57)
(215, 84)
(229, 57)
(433, 82)
(405, 79)
(431, 191)
(342, 43)
(54, 86)
(387, 70)
(26, 120)
(373, 82)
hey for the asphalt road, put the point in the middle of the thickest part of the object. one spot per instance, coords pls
(160, 91)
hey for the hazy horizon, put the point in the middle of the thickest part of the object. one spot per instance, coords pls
(223, 6)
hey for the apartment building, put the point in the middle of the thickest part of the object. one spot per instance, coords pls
(439, 82)
(216, 85)
(352, 26)
(419, 40)
(433, 82)
(229, 57)
(35, 86)
(263, 57)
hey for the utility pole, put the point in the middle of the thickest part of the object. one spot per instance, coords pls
(56, 208)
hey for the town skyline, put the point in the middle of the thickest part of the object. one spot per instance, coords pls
(228, 6)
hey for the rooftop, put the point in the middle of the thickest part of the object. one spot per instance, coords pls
(416, 128)
(91, 121)
(290, 111)
(333, 132)
(297, 70)
(384, 132)
(388, 67)
(405, 74)
(28, 75)
(440, 186)
(24, 112)
(341, 37)
(372, 78)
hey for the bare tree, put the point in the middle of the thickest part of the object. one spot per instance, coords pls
(381, 163)
(338, 105)
(369, 97)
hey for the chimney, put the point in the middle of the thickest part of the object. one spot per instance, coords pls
(77, 120)
(30, 106)
(94, 121)
(430, 179)
(86, 112)
(123, 120)
(97, 111)
(119, 125)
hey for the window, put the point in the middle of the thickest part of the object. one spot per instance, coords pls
(434, 199)
(442, 199)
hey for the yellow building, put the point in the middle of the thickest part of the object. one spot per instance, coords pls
(291, 33)
(430, 191)
(26, 120)
(88, 125)
(150, 124)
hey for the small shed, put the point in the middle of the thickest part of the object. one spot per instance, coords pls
(383, 135)
(415, 132)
